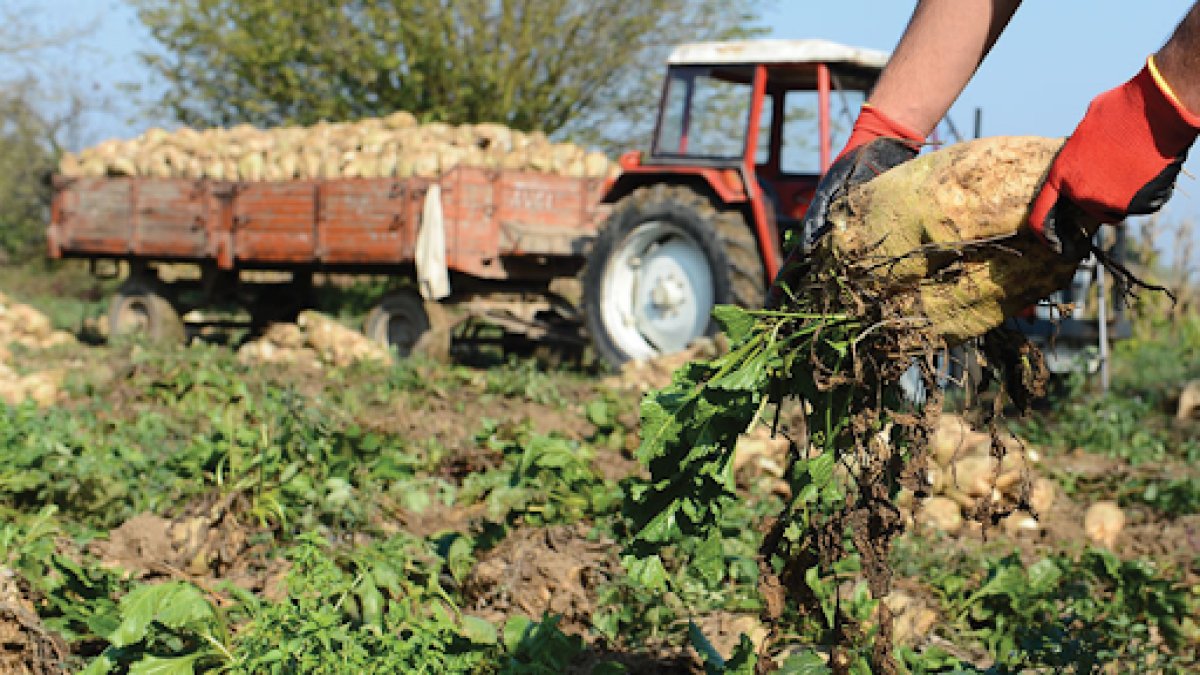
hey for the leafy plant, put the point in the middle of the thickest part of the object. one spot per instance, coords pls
(74, 597)
(165, 628)
(689, 432)
(522, 379)
(1177, 497)
(1158, 360)
(1065, 613)
(538, 647)
(546, 479)
(378, 609)
(1116, 425)
(606, 414)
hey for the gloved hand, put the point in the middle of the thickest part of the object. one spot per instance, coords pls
(877, 143)
(1122, 160)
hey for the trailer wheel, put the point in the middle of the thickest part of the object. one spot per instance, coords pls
(405, 322)
(665, 257)
(140, 308)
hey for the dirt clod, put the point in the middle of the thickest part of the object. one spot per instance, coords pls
(26, 646)
(535, 571)
(210, 543)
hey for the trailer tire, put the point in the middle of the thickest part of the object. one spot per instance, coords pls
(141, 308)
(663, 259)
(407, 323)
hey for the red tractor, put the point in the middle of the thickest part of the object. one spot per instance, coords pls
(744, 132)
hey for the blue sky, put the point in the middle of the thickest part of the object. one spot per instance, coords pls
(1054, 58)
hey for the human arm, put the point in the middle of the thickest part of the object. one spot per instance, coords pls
(1179, 60)
(941, 49)
(914, 91)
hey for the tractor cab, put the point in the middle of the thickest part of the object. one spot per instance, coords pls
(745, 130)
(777, 109)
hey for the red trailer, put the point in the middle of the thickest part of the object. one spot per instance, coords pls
(507, 235)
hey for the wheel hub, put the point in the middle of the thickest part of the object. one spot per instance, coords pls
(134, 317)
(402, 333)
(668, 294)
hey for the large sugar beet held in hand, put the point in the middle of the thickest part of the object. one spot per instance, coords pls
(944, 237)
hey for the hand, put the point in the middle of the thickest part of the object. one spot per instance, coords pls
(877, 143)
(1122, 160)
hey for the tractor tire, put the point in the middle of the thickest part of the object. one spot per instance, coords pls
(407, 323)
(663, 260)
(141, 308)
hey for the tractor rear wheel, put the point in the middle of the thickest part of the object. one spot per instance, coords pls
(659, 265)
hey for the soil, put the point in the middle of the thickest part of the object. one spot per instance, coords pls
(534, 571)
(1146, 534)
(557, 570)
(206, 546)
(26, 646)
(440, 417)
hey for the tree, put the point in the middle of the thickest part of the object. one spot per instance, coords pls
(26, 156)
(35, 113)
(571, 67)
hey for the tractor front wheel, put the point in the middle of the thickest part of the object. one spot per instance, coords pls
(661, 263)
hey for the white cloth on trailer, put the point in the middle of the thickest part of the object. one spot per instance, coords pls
(433, 278)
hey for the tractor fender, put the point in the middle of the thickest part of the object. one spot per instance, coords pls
(725, 186)
(711, 180)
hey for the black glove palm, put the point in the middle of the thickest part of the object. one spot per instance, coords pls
(853, 168)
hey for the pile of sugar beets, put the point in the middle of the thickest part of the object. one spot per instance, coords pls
(394, 146)
(924, 257)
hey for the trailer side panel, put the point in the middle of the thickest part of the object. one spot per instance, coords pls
(368, 221)
(96, 215)
(171, 219)
(546, 215)
(275, 222)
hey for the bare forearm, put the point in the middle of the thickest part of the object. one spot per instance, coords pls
(941, 49)
(1179, 60)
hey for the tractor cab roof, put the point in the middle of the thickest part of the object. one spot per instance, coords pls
(792, 63)
(772, 52)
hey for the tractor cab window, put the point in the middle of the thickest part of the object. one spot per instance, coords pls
(705, 113)
(800, 152)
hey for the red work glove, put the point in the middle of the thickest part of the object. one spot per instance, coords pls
(872, 124)
(1122, 160)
